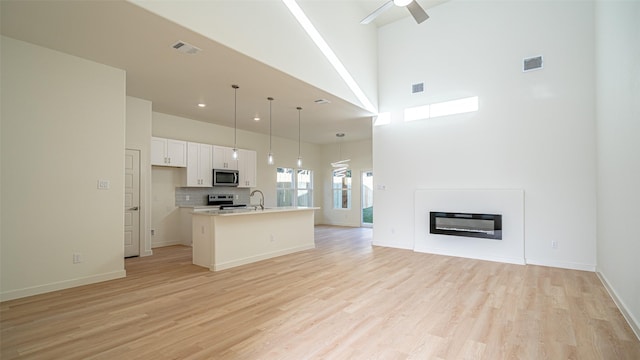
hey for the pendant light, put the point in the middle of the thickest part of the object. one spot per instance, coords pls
(340, 167)
(299, 156)
(235, 121)
(270, 157)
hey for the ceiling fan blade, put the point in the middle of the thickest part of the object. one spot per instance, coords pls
(417, 12)
(377, 12)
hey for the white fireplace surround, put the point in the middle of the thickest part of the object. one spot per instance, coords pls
(507, 202)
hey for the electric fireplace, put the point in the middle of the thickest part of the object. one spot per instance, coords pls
(487, 226)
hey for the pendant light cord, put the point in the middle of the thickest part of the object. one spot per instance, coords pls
(235, 116)
(299, 108)
(270, 102)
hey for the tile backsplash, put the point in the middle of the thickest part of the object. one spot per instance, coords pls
(198, 196)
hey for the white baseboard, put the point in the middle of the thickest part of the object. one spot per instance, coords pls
(392, 245)
(633, 322)
(61, 285)
(508, 260)
(562, 264)
(164, 243)
(265, 256)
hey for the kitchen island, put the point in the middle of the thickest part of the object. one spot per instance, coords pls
(224, 239)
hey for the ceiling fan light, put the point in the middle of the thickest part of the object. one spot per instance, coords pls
(402, 2)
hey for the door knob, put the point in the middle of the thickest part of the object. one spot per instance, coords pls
(134, 208)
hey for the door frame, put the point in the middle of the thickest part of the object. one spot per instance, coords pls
(139, 206)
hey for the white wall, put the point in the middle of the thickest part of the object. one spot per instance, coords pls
(359, 152)
(138, 134)
(267, 32)
(63, 126)
(533, 131)
(618, 113)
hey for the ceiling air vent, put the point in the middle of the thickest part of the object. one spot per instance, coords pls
(186, 48)
(533, 63)
(321, 101)
(417, 88)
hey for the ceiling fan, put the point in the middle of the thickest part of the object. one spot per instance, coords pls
(414, 8)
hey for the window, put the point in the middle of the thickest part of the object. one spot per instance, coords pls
(342, 190)
(294, 191)
(452, 107)
(285, 187)
(304, 187)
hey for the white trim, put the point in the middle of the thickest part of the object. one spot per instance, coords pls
(392, 245)
(61, 285)
(444, 252)
(632, 321)
(157, 244)
(562, 264)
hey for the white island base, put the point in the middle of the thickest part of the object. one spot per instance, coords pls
(222, 240)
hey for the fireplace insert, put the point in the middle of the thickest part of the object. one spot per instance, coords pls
(488, 226)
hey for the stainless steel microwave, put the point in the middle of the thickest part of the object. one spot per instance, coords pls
(225, 177)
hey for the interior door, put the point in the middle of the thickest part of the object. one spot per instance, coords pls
(132, 203)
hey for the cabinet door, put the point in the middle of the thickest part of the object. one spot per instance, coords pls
(223, 158)
(205, 166)
(177, 152)
(247, 163)
(193, 164)
(199, 165)
(158, 151)
(168, 152)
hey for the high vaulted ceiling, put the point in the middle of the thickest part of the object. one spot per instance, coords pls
(125, 36)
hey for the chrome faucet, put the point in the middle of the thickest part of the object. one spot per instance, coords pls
(261, 197)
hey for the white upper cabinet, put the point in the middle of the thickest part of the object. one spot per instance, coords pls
(168, 152)
(223, 158)
(199, 165)
(247, 164)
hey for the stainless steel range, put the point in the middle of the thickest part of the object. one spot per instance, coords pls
(225, 201)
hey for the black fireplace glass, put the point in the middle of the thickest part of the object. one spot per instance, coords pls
(487, 226)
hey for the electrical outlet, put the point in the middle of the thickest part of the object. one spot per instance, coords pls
(153, 232)
(188, 198)
(272, 238)
(77, 258)
(554, 244)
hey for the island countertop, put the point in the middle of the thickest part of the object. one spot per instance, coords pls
(251, 211)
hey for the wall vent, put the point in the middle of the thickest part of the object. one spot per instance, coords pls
(532, 63)
(186, 48)
(417, 88)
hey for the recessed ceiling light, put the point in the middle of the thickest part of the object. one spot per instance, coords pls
(257, 118)
(202, 105)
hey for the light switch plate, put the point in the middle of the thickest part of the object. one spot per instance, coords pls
(104, 184)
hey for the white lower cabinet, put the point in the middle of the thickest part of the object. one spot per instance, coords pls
(199, 165)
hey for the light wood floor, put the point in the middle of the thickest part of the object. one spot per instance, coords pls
(343, 300)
